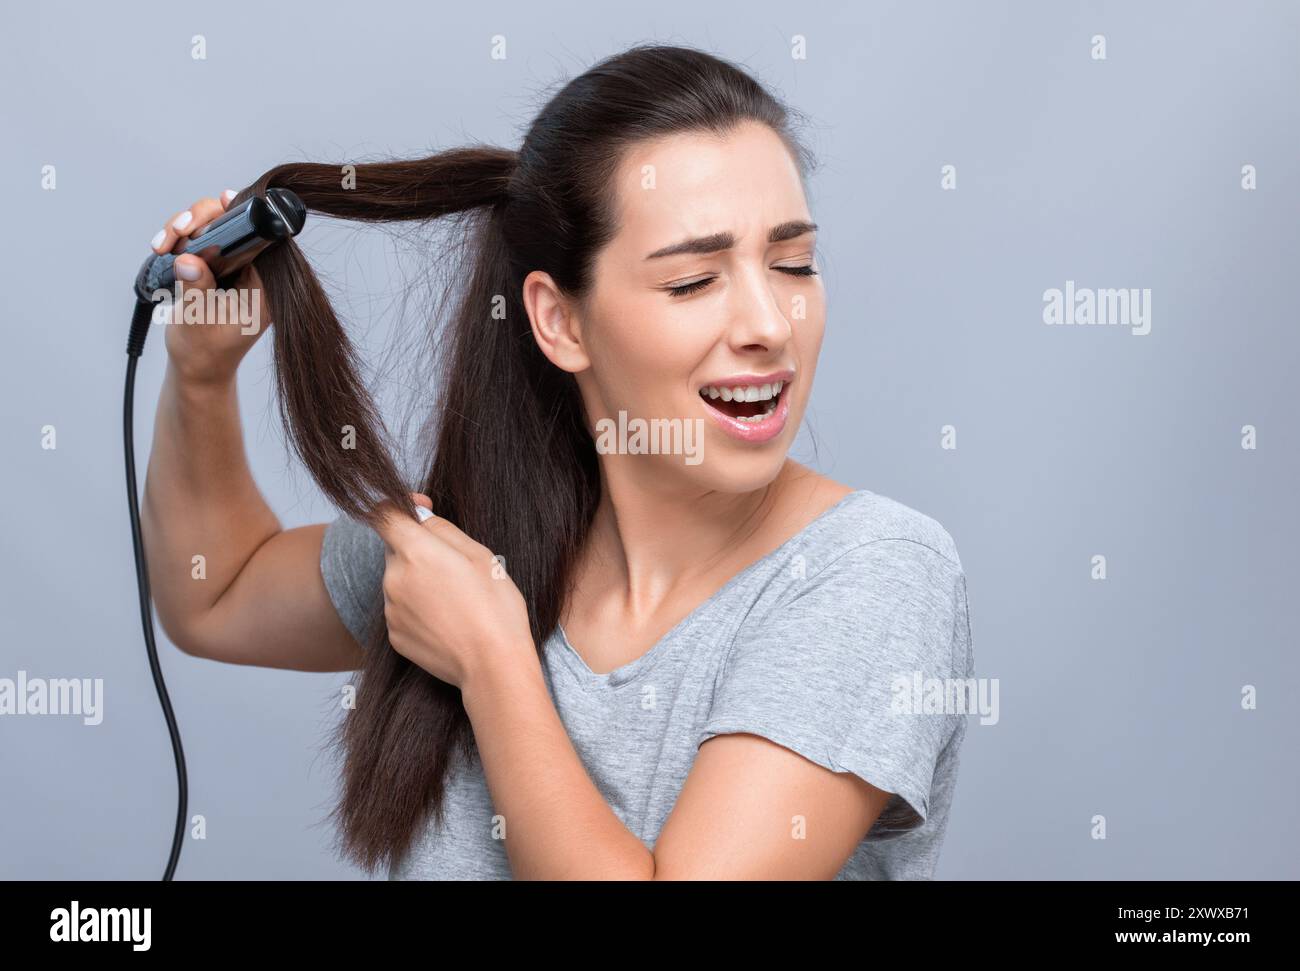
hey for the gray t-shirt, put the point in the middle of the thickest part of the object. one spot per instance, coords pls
(828, 646)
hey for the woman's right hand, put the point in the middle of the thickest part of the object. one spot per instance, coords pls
(209, 353)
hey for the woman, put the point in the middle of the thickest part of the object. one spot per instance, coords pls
(545, 657)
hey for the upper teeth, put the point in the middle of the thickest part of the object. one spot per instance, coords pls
(744, 392)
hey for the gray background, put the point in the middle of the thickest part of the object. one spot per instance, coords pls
(1119, 698)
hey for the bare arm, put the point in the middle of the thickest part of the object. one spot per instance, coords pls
(256, 596)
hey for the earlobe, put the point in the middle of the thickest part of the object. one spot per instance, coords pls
(555, 325)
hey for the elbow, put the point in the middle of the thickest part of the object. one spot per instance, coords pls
(184, 634)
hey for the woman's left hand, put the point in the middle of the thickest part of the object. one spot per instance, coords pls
(451, 607)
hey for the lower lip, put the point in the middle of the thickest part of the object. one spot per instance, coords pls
(756, 432)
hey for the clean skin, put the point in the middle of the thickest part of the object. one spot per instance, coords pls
(666, 536)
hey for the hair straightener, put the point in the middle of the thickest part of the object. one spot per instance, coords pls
(227, 245)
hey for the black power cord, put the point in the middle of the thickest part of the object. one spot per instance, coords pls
(134, 346)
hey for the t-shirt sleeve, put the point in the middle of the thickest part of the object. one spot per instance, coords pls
(352, 566)
(841, 670)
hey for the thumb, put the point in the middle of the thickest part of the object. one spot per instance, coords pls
(423, 506)
(193, 273)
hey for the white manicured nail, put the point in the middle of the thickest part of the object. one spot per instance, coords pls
(183, 220)
(230, 194)
(423, 513)
(157, 240)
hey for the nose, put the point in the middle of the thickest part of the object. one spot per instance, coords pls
(758, 321)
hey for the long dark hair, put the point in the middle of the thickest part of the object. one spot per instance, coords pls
(513, 464)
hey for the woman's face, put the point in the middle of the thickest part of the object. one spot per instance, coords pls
(747, 315)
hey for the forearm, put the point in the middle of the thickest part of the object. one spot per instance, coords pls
(199, 499)
(557, 825)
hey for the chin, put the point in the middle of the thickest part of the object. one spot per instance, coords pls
(737, 475)
(728, 466)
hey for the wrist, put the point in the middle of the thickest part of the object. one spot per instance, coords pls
(198, 383)
(502, 677)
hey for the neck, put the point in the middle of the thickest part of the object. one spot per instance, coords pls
(651, 537)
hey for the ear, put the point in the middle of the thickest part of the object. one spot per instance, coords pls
(555, 322)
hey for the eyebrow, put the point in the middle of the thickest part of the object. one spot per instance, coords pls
(720, 241)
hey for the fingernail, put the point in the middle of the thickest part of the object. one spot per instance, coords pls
(183, 220)
(423, 513)
(187, 271)
(158, 240)
(230, 194)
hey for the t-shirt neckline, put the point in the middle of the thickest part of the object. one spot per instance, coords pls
(629, 671)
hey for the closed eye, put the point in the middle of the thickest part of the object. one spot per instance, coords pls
(689, 288)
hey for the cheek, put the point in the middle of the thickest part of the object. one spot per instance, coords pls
(808, 335)
(643, 351)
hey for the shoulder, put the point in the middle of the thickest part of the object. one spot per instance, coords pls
(871, 597)
(869, 571)
(866, 526)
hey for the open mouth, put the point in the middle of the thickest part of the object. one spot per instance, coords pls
(747, 403)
